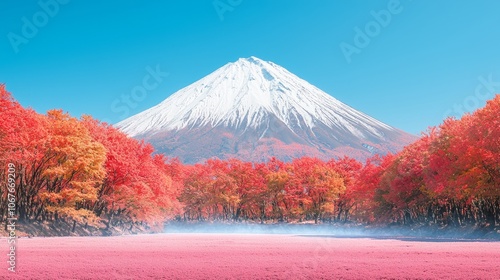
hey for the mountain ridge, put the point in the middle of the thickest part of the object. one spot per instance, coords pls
(265, 102)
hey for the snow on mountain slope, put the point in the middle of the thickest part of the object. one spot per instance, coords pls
(259, 100)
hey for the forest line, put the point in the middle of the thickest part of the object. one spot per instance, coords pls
(85, 172)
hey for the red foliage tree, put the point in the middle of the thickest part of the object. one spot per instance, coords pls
(137, 186)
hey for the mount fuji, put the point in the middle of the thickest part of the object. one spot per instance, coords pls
(253, 109)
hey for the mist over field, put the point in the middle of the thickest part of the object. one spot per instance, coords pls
(338, 231)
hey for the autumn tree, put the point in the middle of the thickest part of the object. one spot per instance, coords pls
(137, 186)
(23, 137)
(75, 165)
(278, 178)
(349, 169)
(249, 189)
(317, 186)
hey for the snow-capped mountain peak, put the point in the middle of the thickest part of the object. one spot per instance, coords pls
(245, 93)
(254, 109)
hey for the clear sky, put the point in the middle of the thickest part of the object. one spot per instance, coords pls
(406, 63)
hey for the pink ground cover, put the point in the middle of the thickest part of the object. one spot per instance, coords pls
(238, 256)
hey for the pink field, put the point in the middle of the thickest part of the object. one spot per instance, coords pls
(214, 256)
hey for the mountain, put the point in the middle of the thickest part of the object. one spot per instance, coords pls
(254, 109)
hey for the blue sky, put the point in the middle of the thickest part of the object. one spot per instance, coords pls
(406, 63)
